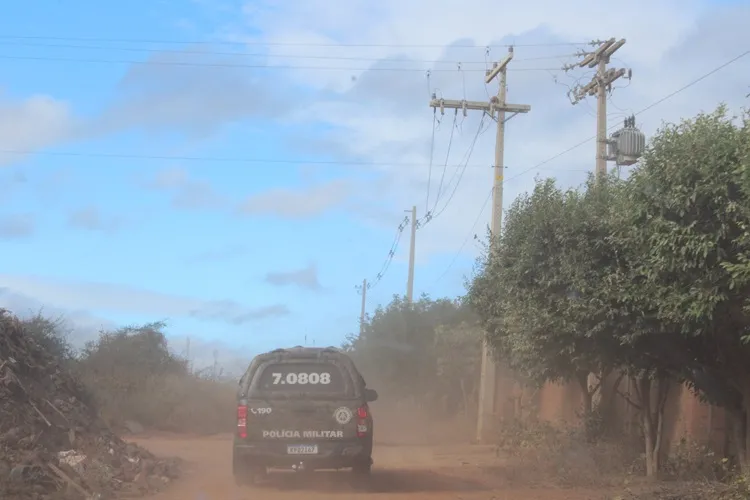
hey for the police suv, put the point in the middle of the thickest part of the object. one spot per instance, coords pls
(302, 408)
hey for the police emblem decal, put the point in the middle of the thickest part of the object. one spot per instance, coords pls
(343, 415)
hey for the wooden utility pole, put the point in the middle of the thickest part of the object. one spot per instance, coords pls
(412, 248)
(362, 310)
(496, 108)
(599, 85)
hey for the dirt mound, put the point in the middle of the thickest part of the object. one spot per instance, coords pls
(53, 444)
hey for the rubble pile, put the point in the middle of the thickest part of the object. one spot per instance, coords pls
(53, 444)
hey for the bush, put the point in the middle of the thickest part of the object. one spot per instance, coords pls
(133, 376)
(541, 452)
(693, 472)
(691, 461)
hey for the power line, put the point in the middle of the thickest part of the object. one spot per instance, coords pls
(246, 66)
(391, 254)
(432, 155)
(349, 163)
(697, 80)
(447, 156)
(278, 44)
(466, 240)
(265, 54)
(460, 173)
(219, 159)
(643, 110)
(650, 106)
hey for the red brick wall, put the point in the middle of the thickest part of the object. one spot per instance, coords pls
(685, 415)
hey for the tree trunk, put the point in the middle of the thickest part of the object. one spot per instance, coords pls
(588, 405)
(607, 403)
(464, 398)
(739, 431)
(588, 397)
(652, 395)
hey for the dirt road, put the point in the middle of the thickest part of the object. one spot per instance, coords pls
(400, 473)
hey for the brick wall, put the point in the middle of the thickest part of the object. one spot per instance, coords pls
(685, 415)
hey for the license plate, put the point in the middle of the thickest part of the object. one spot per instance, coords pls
(302, 449)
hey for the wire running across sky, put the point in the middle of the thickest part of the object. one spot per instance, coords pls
(391, 254)
(643, 110)
(265, 55)
(247, 66)
(432, 156)
(279, 44)
(457, 174)
(225, 159)
(579, 144)
(466, 239)
(428, 216)
(447, 156)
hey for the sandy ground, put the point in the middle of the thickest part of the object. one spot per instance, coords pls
(409, 472)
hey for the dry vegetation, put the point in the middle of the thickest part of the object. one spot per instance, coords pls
(53, 445)
(542, 455)
(133, 377)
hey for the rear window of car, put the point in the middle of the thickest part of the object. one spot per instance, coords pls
(298, 377)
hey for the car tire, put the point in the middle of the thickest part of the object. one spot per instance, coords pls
(245, 474)
(251, 476)
(362, 470)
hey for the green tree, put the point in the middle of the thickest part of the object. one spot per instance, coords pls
(551, 300)
(458, 349)
(537, 294)
(685, 232)
(402, 345)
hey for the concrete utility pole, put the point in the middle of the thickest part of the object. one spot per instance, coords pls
(496, 107)
(362, 310)
(412, 247)
(600, 84)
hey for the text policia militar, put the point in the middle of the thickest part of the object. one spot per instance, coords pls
(304, 434)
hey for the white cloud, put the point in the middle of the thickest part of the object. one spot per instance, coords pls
(187, 193)
(83, 326)
(92, 219)
(17, 226)
(114, 298)
(383, 116)
(306, 277)
(191, 91)
(31, 124)
(297, 202)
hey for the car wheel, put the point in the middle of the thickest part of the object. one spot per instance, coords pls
(363, 469)
(247, 475)
(250, 476)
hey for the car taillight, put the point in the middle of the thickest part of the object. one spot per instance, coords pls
(242, 421)
(362, 428)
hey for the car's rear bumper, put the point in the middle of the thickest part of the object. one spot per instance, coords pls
(331, 455)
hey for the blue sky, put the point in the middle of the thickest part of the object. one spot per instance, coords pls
(145, 196)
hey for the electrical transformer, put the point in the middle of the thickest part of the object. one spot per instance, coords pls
(626, 145)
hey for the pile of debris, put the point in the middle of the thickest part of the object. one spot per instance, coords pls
(53, 444)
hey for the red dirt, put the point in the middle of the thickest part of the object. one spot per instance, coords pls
(400, 473)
